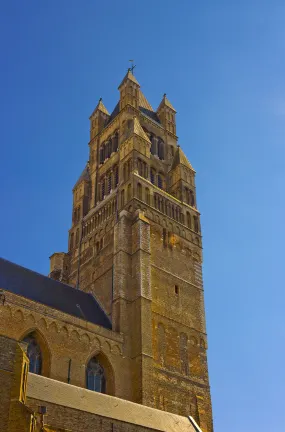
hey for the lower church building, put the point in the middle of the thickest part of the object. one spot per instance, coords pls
(115, 338)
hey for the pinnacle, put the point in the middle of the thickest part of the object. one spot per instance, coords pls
(100, 107)
(129, 76)
(165, 102)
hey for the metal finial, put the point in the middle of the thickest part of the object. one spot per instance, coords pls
(131, 69)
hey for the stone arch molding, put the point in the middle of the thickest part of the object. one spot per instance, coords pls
(106, 363)
(44, 346)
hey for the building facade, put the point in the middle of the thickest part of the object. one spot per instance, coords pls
(123, 310)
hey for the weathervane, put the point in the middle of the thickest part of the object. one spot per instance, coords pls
(131, 69)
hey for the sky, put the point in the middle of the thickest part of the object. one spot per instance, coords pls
(222, 66)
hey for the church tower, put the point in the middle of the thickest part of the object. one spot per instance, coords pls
(135, 244)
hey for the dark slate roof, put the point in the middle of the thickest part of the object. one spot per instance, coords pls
(52, 293)
(85, 176)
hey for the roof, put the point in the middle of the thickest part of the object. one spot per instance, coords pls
(129, 76)
(136, 129)
(42, 289)
(100, 107)
(140, 417)
(180, 158)
(146, 108)
(85, 176)
(166, 102)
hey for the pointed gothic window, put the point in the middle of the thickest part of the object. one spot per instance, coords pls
(95, 376)
(34, 354)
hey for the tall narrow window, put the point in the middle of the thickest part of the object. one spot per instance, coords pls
(159, 181)
(188, 219)
(160, 149)
(140, 167)
(109, 182)
(95, 376)
(77, 237)
(122, 198)
(116, 176)
(34, 354)
(152, 148)
(192, 198)
(164, 237)
(115, 142)
(102, 189)
(152, 176)
(147, 197)
(139, 191)
(129, 192)
(196, 224)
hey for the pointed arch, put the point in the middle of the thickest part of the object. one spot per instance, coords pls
(38, 352)
(100, 374)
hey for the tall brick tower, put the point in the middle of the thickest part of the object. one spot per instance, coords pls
(135, 243)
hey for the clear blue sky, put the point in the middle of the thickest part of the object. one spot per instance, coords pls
(222, 65)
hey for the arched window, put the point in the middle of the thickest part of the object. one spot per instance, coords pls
(95, 376)
(147, 197)
(139, 191)
(34, 354)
